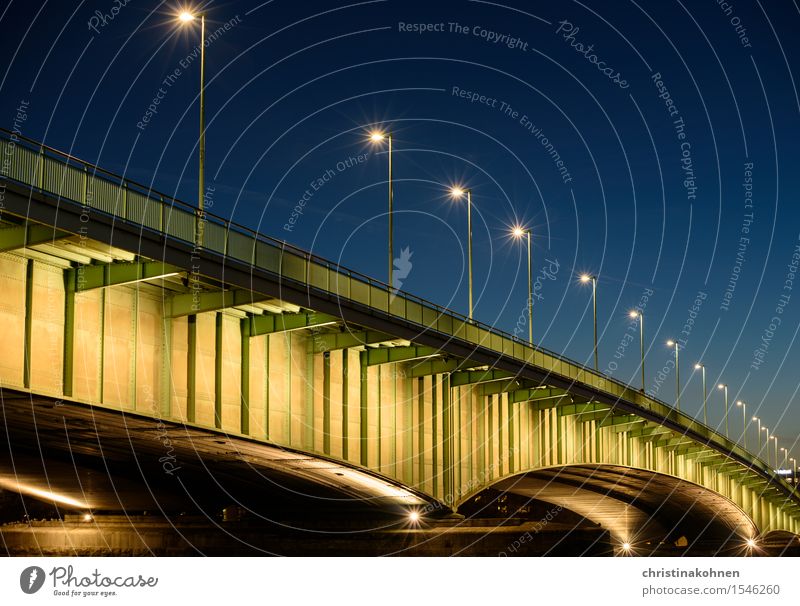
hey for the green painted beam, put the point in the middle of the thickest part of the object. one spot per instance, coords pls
(435, 367)
(577, 409)
(271, 323)
(363, 410)
(549, 402)
(218, 356)
(387, 355)
(345, 340)
(649, 431)
(533, 395)
(26, 349)
(200, 302)
(326, 403)
(505, 385)
(705, 455)
(672, 442)
(607, 419)
(69, 332)
(89, 277)
(191, 369)
(244, 388)
(30, 234)
(686, 450)
(469, 377)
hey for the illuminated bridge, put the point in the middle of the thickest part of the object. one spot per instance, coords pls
(287, 376)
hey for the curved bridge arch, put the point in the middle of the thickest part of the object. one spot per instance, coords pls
(639, 507)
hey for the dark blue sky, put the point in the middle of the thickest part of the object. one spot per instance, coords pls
(292, 87)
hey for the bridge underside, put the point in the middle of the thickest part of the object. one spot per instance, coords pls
(645, 509)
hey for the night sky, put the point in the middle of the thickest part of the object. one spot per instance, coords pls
(653, 144)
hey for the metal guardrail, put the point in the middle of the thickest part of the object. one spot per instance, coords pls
(75, 181)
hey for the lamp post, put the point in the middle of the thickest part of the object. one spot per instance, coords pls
(458, 193)
(379, 137)
(635, 313)
(674, 344)
(186, 17)
(744, 422)
(724, 386)
(518, 233)
(774, 437)
(702, 367)
(593, 279)
(766, 443)
(794, 473)
(756, 419)
(785, 455)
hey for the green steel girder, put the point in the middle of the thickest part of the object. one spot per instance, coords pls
(706, 455)
(469, 377)
(387, 355)
(89, 277)
(272, 323)
(504, 385)
(727, 467)
(755, 481)
(650, 430)
(670, 442)
(200, 302)
(687, 450)
(536, 394)
(619, 426)
(30, 234)
(345, 340)
(436, 367)
(548, 403)
(578, 409)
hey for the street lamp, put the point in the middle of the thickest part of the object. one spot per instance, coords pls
(674, 344)
(774, 437)
(724, 387)
(766, 443)
(794, 473)
(457, 193)
(635, 313)
(756, 419)
(744, 422)
(702, 367)
(378, 137)
(188, 17)
(785, 455)
(593, 279)
(518, 233)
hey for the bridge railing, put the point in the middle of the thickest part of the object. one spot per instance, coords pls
(75, 181)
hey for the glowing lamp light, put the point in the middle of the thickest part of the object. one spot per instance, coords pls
(698, 366)
(751, 543)
(670, 343)
(413, 517)
(377, 137)
(518, 232)
(626, 546)
(456, 192)
(186, 16)
(633, 313)
(585, 278)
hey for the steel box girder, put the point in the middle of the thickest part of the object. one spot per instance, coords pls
(30, 234)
